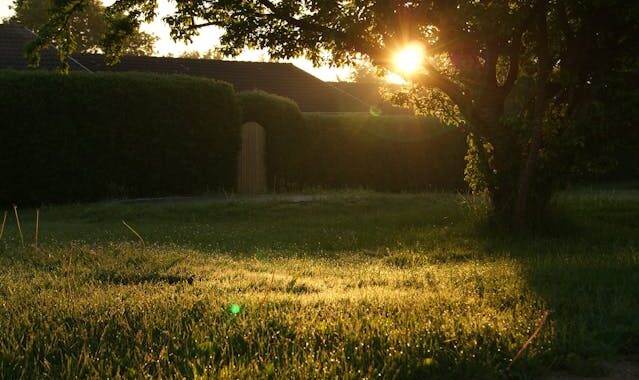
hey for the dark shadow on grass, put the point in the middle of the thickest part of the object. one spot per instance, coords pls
(133, 278)
(583, 262)
(370, 222)
(594, 308)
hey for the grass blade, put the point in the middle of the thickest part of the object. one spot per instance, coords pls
(15, 211)
(135, 233)
(37, 227)
(541, 324)
(4, 220)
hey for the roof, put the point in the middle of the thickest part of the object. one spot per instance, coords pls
(284, 79)
(369, 93)
(13, 42)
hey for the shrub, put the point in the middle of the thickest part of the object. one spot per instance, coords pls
(91, 136)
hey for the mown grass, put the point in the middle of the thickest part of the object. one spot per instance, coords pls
(349, 285)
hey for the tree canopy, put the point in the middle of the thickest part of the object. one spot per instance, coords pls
(522, 78)
(84, 29)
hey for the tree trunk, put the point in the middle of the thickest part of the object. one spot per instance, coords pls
(499, 157)
(527, 175)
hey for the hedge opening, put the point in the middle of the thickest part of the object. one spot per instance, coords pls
(283, 123)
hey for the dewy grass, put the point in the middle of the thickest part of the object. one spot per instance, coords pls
(348, 285)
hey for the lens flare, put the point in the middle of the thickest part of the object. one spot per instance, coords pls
(374, 111)
(235, 309)
(409, 59)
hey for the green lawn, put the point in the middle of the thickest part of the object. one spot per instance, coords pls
(349, 285)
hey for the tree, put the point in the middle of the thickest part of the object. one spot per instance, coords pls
(209, 54)
(85, 28)
(365, 73)
(519, 77)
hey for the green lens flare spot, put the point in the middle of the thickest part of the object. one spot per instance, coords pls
(374, 111)
(235, 309)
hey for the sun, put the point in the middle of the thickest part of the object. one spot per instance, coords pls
(409, 59)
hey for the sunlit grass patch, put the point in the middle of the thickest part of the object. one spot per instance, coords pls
(412, 289)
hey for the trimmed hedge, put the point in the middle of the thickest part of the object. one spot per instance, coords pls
(86, 137)
(388, 153)
(80, 137)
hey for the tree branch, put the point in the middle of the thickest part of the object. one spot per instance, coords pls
(516, 45)
(377, 54)
(562, 17)
(298, 22)
(513, 64)
(437, 80)
(491, 64)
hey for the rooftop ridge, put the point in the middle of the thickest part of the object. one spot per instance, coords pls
(191, 59)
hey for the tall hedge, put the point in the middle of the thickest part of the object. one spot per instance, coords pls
(79, 137)
(390, 153)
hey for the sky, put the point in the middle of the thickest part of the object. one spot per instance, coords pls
(208, 39)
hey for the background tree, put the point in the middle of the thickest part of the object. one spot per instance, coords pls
(86, 27)
(365, 73)
(209, 54)
(520, 77)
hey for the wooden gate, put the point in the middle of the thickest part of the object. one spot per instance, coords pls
(251, 172)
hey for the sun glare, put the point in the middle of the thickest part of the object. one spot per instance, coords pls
(394, 78)
(409, 59)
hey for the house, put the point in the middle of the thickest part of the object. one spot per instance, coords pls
(284, 79)
(369, 93)
(13, 42)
